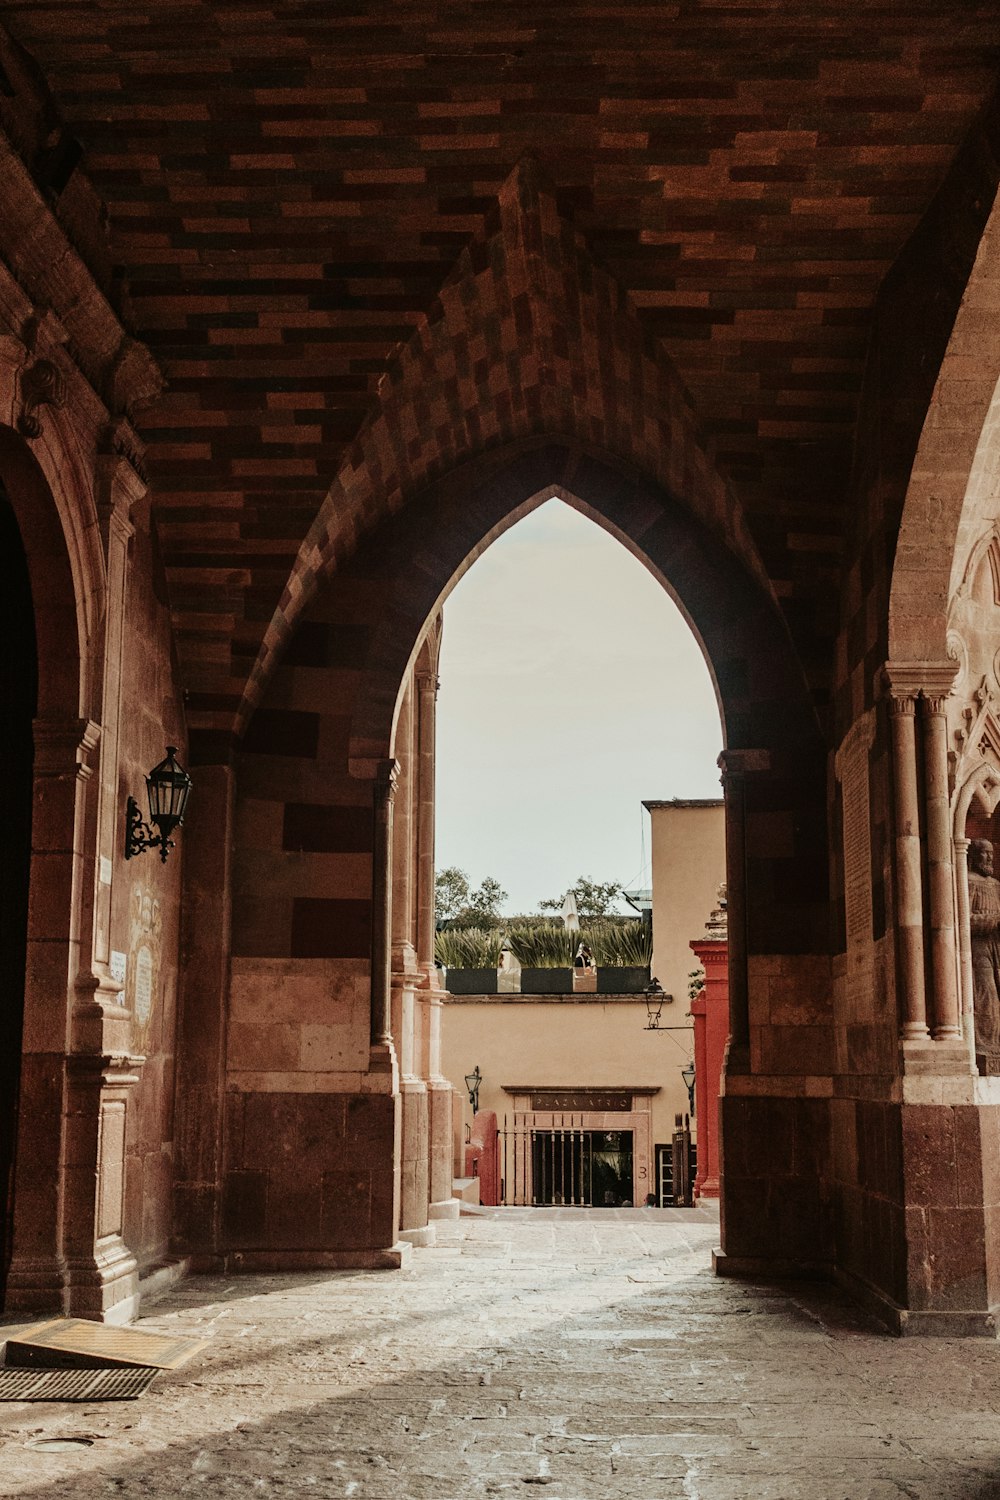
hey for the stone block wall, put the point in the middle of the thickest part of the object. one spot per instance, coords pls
(308, 1145)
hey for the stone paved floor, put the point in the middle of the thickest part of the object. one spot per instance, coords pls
(593, 1355)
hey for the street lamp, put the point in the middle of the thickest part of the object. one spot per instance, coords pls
(687, 1073)
(654, 997)
(168, 787)
(472, 1082)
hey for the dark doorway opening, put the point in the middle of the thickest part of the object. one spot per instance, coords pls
(18, 695)
(588, 1168)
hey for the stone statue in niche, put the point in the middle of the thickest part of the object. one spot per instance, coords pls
(984, 923)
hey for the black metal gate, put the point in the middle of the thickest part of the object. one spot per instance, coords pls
(565, 1163)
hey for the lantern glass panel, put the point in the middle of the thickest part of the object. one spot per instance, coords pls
(168, 785)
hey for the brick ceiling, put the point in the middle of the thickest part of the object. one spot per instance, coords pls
(289, 183)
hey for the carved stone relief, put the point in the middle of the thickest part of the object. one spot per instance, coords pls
(974, 722)
(144, 958)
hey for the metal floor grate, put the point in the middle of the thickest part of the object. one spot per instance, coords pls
(75, 1385)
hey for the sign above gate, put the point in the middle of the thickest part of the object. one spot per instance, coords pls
(597, 1101)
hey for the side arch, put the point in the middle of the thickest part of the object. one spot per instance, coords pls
(953, 496)
(64, 601)
(47, 737)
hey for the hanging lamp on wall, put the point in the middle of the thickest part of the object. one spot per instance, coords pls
(168, 787)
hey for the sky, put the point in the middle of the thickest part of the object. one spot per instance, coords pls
(571, 690)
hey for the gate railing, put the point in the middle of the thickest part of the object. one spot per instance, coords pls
(550, 1165)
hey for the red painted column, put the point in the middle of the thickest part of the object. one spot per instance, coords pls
(703, 1127)
(711, 1032)
(481, 1156)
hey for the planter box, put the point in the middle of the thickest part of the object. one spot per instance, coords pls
(546, 981)
(471, 981)
(624, 981)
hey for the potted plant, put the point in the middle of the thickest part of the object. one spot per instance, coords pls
(545, 953)
(470, 956)
(623, 951)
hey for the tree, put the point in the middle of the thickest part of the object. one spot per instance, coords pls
(484, 904)
(451, 892)
(593, 899)
(455, 901)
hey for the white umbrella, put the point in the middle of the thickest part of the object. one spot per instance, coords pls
(570, 915)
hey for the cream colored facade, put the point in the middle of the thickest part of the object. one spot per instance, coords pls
(688, 839)
(525, 1045)
(592, 1045)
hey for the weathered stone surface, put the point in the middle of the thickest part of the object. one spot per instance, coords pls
(589, 1353)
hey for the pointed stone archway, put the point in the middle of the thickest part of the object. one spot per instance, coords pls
(327, 767)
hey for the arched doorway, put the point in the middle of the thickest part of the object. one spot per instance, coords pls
(576, 722)
(48, 607)
(18, 695)
(313, 868)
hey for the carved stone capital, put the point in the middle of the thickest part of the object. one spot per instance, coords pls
(932, 704)
(65, 747)
(104, 1069)
(386, 781)
(918, 679)
(735, 764)
(123, 459)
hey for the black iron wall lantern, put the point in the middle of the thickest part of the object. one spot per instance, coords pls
(655, 997)
(168, 786)
(687, 1073)
(472, 1082)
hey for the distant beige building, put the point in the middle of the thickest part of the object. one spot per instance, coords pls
(689, 863)
(568, 1074)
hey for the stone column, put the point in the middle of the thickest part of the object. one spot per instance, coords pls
(402, 834)
(120, 488)
(906, 840)
(383, 1068)
(711, 1013)
(440, 1110)
(383, 793)
(943, 961)
(427, 691)
(703, 1129)
(414, 1169)
(102, 1070)
(101, 1271)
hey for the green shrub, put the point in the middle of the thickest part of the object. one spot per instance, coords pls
(540, 944)
(615, 945)
(543, 945)
(619, 945)
(469, 947)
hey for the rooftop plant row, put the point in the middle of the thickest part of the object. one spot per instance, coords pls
(544, 945)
